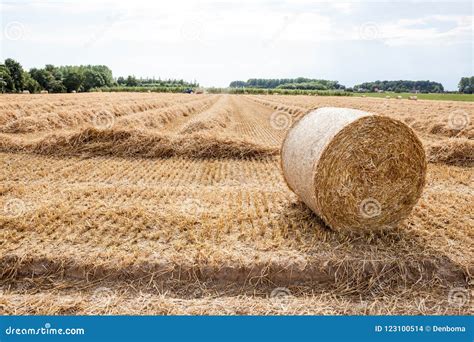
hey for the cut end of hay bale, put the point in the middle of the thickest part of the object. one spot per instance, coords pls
(353, 169)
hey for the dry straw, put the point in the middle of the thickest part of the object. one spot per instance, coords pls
(354, 169)
(91, 142)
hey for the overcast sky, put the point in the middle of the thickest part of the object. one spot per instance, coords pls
(216, 42)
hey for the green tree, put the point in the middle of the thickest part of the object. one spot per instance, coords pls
(73, 78)
(30, 83)
(6, 81)
(93, 79)
(43, 76)
(288, 83)
(466, 85)
(57, 87)
(56, 72)
(106, 74)
(131, 81)
(238, 84)
(16, 73)
(401, 86)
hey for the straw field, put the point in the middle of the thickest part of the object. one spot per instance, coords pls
(128, 203)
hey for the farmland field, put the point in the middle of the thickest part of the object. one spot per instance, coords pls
(145, 203)
(431, 96)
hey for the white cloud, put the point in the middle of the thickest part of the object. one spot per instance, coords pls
(217, 41)
(426, 31)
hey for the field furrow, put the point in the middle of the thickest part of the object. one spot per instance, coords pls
(181, 207)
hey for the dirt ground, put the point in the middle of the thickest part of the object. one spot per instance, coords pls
(144, 203)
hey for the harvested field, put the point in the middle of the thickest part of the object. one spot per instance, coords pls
(128, 203)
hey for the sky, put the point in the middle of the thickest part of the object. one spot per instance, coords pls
(216, 42)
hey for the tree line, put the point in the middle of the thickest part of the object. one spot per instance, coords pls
(132, 81)
(401, 86)
(277, 91)
(466, 85)
(70, 78)
(288, 83)
(55, 79)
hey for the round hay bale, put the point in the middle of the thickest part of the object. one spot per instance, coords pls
(355, 170)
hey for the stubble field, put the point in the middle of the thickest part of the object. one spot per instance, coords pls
(128, 203)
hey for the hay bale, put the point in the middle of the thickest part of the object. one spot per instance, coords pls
(353, 169)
